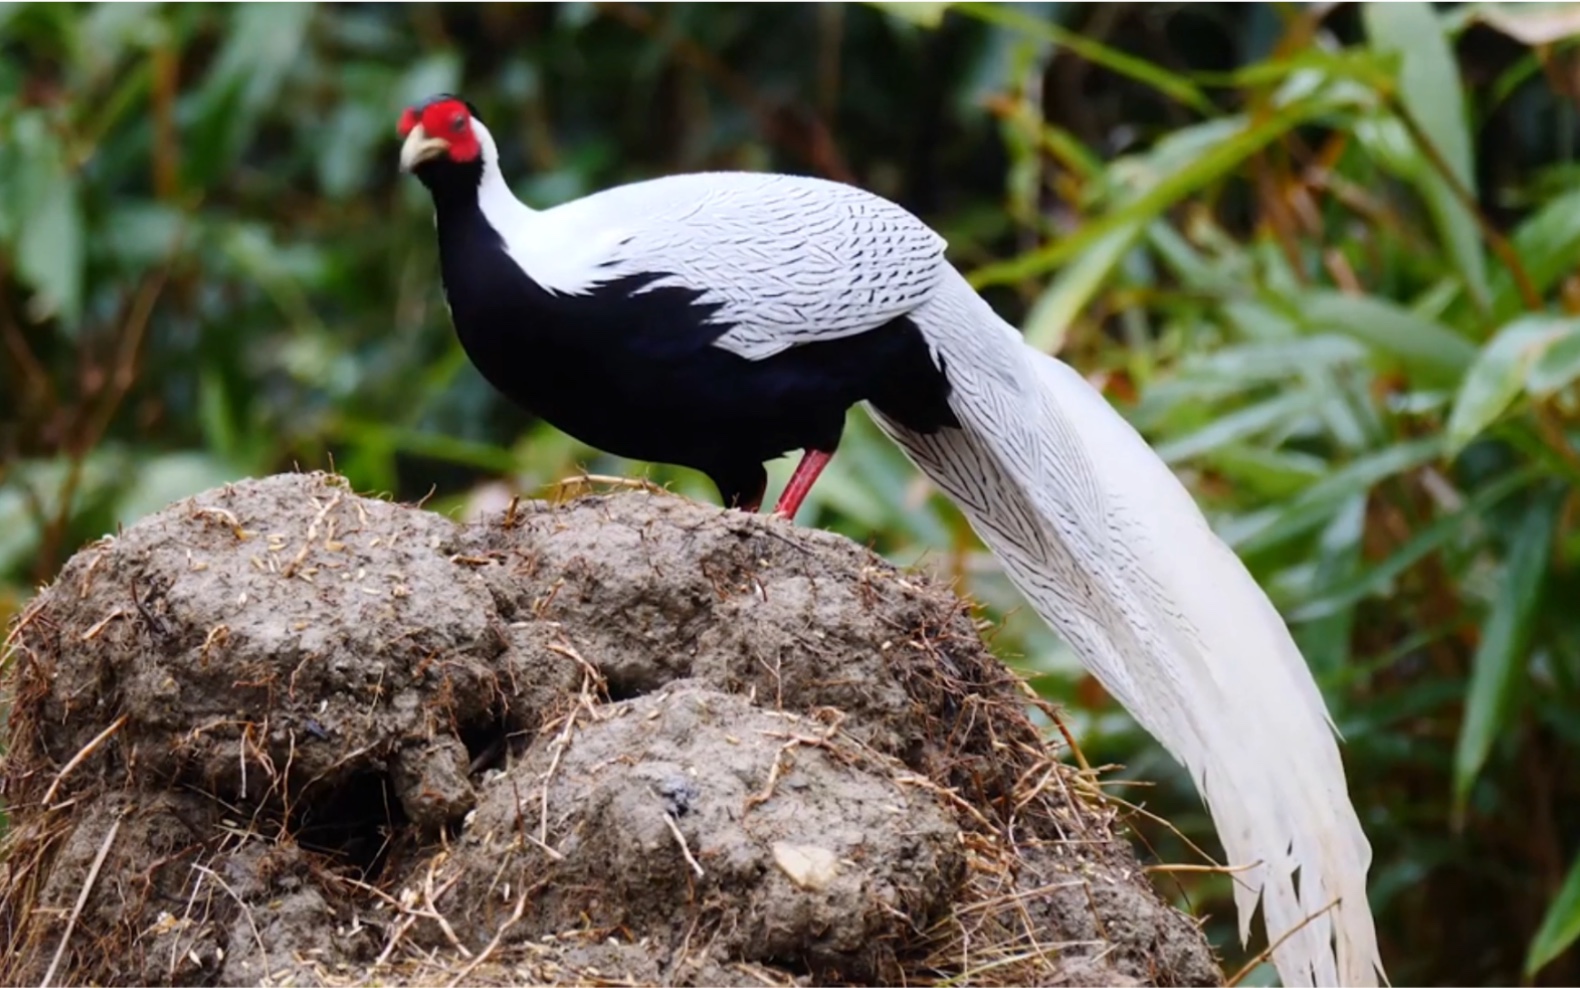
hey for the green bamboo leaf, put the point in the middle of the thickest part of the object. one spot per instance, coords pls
(1500, 659)
(1548, 246)
(1242, 139)
(140, 233)
(43, 198)
(263, 45)
(1171, 84)
(1187, 263)
(1385, 717)
(1422, 346)
(1078, 282)
(1266, 473)
(1319, 502)
(1070, 152)
(1327, 641)
(1259, 322)
(19, 530)
(1277, 360)
(1073, 288)
(50, 249)
(1560, 927)
(432, 445)
(1359, 70)
(1558, 365)
(1387, 140)
(1499, 374)
(928, 15)
(1239, 425)
(106, 30)
(1431, 93)
(215, 417)
(1378, 579)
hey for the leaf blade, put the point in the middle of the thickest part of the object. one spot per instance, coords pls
(1431, 93)
(1168, 188)
(1496, 668)
(1548, 246)
(1498, 375)
(1171, 84)
(1560, 926)
(1422, 346)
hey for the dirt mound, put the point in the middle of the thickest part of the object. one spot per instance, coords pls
(281, 733)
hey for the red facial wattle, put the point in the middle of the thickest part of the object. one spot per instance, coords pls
(448, 119)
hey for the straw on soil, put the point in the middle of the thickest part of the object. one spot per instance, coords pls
(279, 733)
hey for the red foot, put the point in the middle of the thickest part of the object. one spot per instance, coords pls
(806, 473)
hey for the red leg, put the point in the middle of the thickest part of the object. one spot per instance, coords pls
(806, 473)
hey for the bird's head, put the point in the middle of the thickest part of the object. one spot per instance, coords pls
(444, 142)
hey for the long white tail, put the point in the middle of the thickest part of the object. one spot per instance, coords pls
(1108, 546)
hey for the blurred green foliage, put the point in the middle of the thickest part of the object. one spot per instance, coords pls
(1324, 257)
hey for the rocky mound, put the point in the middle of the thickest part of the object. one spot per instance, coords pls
(280, 733)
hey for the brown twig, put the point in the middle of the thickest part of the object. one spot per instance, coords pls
(82, 756)
(33, 373)
(1267, 951)
(1208, 869)
(102, 623)
(1551, 429)
(493, 945)
(559, 744)
(583, 482)
(263, 951)
(312, 535)
(1499, 244)
(96, 421)
(1075, 749)
(167, 144)
(430, 900)
(680, 838)
(82, 899)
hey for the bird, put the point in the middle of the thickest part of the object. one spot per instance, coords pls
(720, 320)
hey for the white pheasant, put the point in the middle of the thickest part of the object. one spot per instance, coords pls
(717, 321)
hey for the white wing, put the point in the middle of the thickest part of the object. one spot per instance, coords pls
(789, 259)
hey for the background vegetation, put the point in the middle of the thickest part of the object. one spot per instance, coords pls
(1324, 256)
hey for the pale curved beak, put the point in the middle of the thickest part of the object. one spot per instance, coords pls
(419, 147)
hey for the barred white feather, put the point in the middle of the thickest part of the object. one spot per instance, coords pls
(1111, 550)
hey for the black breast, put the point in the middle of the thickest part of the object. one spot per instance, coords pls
(633, 372)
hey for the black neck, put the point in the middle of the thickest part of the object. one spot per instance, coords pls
(453, 184)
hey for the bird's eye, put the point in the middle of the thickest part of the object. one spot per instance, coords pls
(458, 122)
